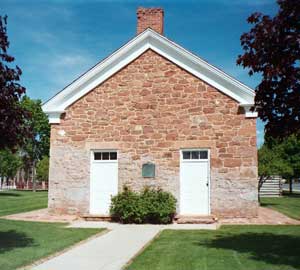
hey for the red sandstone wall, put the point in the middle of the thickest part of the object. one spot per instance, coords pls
(149, 111)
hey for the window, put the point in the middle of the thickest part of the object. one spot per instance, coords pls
(105, 156)
(195, 154)
(97, 156)
(203, 154)
(186, 154)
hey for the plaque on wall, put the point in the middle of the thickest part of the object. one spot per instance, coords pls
(148, 170)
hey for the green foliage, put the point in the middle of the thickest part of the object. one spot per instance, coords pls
(42, 169)
(37, 146)
(9, 163)
(159, 206)
(280, 157)
(290, 152)
(271, 162)
(125, 207)
(149, 206)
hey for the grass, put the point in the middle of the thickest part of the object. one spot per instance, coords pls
(288, 205)
(231, 247)
(22, 243)
(12, 202)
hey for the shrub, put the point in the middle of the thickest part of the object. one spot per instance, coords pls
(150, 206)
(125, 207)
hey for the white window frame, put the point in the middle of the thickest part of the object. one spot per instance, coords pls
(93, 160)
(195, 160)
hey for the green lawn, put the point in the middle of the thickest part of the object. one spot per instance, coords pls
(12, 202)
(288, 205)
(21, 242)
(231, 247)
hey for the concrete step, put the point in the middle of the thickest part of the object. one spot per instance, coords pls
(91, 217)
(270, 188)
(270, 196)
(193, 219)
(269, 191)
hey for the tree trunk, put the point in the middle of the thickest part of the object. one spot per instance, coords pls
(291, 186)
(33, 178)
(260, 181)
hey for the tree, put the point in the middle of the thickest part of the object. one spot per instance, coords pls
(39, 126)
(271, 162)
(290, 152)
(12, 115)
(36, 146)
(42, 169)
(272, 48)
(277, 157)
(9, 164)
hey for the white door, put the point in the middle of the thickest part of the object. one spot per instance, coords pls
(104, 181)
(194, 182)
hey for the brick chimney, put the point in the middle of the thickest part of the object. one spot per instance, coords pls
(150, 17)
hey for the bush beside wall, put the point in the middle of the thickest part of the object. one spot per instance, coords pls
(149, 206)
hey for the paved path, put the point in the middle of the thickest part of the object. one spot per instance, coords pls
(110, 251)
(266, 216)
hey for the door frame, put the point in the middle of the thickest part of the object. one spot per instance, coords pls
(92, 151)
(181, 160)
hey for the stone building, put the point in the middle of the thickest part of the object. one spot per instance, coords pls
(154, 114)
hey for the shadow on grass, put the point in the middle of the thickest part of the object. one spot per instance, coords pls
(12, 239)
(265, 204)
(9, 194)
(291, 195)
(267, 247)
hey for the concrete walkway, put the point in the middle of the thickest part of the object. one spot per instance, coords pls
(112, 250)
(266, 216)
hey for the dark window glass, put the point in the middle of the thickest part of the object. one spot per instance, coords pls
(203, 155)
(195, 154)
(97, 156)
(113, 155)
(105, 155)
(186, 154)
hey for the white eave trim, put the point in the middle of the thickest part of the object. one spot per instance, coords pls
(148, 39)
(54, 117)
(248, 112)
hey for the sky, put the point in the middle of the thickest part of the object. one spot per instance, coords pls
(54, 42)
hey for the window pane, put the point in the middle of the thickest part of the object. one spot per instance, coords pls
(186, 154)
(195, 154)
(97, 156)
(203, 155)
(113, 155)
(105, 155)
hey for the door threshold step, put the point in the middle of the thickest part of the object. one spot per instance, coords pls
(93, 217)
(195, 219)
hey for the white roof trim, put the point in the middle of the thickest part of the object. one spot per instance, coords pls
(148, 39)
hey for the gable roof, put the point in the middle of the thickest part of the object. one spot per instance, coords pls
(149, 39)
